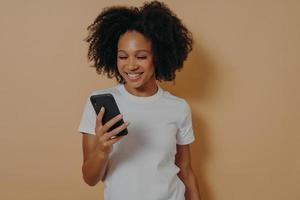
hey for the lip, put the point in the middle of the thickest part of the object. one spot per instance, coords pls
(134, 72)
(134, 79)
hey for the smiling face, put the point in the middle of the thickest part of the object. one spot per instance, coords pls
(135, 63)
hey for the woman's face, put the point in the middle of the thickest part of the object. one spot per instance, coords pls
(135, 61)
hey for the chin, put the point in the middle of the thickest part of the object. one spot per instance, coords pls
(134, 85)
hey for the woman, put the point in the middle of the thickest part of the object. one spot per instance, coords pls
(139, 46)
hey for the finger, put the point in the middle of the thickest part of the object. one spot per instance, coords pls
(111, 122)
(113, 141)
(114, 132)
(100, 116)
(99, 120)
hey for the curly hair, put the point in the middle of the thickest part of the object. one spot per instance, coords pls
(171, 40)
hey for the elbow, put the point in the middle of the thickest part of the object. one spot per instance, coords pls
(90, 181)
(92, 184)
(186, 174)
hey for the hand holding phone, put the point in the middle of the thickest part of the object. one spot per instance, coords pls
(106, 121)
(111, 110)
(107, 139)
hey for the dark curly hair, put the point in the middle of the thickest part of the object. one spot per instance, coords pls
(171, 40)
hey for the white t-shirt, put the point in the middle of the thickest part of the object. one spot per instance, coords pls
(142, 164)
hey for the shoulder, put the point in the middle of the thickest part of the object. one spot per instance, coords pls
(112, 90)
(176, 101)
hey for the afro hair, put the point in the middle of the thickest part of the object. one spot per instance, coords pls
(171, 41)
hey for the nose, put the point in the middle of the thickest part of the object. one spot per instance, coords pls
(132, 65)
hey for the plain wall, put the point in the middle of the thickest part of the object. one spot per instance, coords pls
(241, 80)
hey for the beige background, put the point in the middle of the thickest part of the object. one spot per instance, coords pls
(241, 81)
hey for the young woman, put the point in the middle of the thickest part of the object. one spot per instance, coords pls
(138, 47)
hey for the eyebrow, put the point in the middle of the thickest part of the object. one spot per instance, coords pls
(140, 50)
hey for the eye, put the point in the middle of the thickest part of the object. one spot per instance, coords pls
(142, 57)
(122, 57)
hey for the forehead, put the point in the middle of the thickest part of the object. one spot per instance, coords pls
(133, 40)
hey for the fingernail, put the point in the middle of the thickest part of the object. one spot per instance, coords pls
(120, 116)
(102, 109)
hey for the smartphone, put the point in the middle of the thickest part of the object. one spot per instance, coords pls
(111, 110)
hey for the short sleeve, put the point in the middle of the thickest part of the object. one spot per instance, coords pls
(88, 118)
(185, 133)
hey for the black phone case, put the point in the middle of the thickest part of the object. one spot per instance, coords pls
(111, 110)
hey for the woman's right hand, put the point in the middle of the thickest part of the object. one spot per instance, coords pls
(105, 142)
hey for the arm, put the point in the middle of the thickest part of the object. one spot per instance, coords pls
(186, 174)
(94, 162)
(96, 148)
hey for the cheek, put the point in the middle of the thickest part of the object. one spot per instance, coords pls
(119, 67)
(148, 65)
(120, 63)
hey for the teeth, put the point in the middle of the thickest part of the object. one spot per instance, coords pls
(134, 76)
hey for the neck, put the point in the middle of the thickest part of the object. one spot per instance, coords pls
(143, 91)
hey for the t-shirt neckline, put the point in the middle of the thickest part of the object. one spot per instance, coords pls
(139, 99)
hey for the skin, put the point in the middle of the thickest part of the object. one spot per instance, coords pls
(96, 148)
(134, 56)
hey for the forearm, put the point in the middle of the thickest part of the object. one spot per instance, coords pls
(94, 168)
(191, 184)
